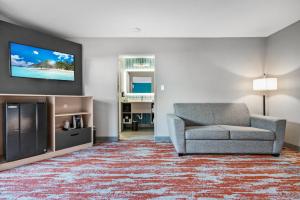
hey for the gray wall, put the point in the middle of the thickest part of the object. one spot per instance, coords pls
(192, 70)
(283, 60)
(8, 84)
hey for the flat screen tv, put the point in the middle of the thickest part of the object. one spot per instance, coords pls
(33, 62)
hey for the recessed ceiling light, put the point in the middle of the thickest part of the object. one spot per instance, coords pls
(136, 29)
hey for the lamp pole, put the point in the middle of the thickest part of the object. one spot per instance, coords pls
(264, 104)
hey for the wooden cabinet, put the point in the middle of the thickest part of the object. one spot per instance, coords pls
(64, 108)
(60, 108)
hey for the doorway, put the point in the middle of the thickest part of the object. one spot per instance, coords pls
(136, 97)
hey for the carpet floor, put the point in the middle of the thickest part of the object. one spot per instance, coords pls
(148, 170)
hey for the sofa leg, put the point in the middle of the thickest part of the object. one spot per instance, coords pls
(180, 154)
(276, 154)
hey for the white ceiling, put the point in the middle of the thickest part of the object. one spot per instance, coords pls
(155, 18)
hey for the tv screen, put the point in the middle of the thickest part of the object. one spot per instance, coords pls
(32, 62)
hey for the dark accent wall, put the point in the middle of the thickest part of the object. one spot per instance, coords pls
(13, 85)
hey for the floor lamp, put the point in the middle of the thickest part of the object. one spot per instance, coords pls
(264, 85)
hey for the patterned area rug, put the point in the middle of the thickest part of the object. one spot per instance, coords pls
(147, 170)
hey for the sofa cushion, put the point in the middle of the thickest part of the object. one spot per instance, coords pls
(206, 133)
(194, 113)
(248, 133)
(235, 114)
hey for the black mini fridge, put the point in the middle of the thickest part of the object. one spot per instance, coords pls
(25, 130)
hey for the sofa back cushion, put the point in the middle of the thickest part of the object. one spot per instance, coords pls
(194, 113)
(235, 114)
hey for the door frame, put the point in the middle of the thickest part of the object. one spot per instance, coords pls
(119, 92)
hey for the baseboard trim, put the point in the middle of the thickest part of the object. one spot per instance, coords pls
(159, 139)
(292, 146)
(107, 139)
(162, 139)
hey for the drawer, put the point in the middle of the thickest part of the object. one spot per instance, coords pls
(74, 137)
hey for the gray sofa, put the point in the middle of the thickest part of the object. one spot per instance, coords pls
(224, 128)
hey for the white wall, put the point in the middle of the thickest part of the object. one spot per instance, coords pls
(192, 70)
(283, 60)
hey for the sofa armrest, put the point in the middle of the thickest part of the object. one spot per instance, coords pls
(273, 124)
(176, 129)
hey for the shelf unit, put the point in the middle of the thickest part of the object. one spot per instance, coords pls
(65, 107)
(60, 109)
(137, 108)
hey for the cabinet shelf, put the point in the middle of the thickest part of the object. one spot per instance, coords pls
(71, 114)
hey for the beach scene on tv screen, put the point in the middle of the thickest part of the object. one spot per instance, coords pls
(32, 62)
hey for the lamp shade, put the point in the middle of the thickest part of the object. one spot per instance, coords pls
(265, 84)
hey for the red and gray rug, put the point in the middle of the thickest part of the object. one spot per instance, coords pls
(147, 170)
